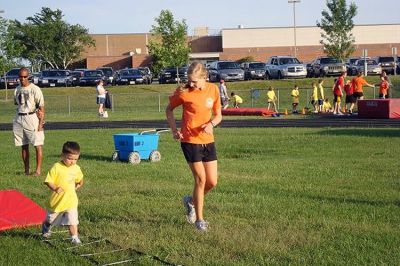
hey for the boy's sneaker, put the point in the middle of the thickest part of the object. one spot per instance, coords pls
(201, 225)
(76, 240)
(45, 231)
(190, 211)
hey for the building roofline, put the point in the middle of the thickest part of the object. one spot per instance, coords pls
(291, 27)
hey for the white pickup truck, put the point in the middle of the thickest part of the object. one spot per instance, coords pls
(284, 67)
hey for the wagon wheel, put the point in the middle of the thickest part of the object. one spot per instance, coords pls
(115, 156)
(134, 158)
(155, 156)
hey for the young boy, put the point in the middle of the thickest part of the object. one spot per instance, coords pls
(63, 179)
(237, 100)
(327, 107)
(314, 97)
(271, 98)
(295, 99)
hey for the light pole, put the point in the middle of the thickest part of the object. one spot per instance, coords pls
(294, 2)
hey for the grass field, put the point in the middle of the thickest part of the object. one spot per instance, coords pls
(142, 102)
(285, 196)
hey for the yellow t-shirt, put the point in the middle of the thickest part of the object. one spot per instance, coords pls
(326, 106)
(321, 91)
(295, 96)
(315, 93)
(237, 99)
(65, 177)
(271, 96)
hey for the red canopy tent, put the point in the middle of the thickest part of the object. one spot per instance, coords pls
(16, 210)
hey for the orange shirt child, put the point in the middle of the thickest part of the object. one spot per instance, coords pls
(383, 87)
(198, 106)
(338, 87)
(358, 83)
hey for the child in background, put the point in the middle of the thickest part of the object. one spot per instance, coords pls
(295, 99)
(271, 98)
(321, 95)
(237, 100)
(223, 94)
(314, 97)
(350, 100)
(327, 107)
(384, 87)
(63, 179)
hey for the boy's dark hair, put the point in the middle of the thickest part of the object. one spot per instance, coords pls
(232, 93)
(71, 147)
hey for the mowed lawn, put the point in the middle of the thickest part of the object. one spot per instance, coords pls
(285, 196)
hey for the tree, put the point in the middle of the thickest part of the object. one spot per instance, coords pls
(48, 39)
(337, 23)
(10, 50)
(170, 48)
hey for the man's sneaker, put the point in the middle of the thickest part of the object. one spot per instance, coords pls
(76, 240)
(190, 211)
(201, 225)
(45, 231)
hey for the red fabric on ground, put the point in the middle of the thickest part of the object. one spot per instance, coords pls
(379, 108)
(247, 111)
(16, 210)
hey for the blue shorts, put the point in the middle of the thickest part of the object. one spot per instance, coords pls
(100, 100)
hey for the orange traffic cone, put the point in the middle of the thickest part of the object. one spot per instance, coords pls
(303, 111)
(286, 112)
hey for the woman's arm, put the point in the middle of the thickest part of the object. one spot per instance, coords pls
(169, 112)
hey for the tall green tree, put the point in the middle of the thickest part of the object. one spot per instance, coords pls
(170, 46)
(48, 39)
(10, 50)
(337, 24)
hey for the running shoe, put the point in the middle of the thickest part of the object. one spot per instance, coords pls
(201, 225)
(190, 211)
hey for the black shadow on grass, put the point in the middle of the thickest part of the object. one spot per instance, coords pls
(362, 132)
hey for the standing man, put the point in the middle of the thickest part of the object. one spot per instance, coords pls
(29, 120)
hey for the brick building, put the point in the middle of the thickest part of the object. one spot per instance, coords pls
(130, 50)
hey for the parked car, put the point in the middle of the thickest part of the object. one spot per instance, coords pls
(129, 76)
(373, 68)
(92, 77)
(55, 78)
(350, 63)
(284, 67)
(327, 66)
(109, 74)
(147, 75)
(253, 70)
(387, 63)
(12, 79)
(75, 77)
(169, 75)
(226, 70)
(34, 78)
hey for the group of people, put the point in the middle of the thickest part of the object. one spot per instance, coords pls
(65, 177)
(223, 93)
(201, 103)
(354, 91)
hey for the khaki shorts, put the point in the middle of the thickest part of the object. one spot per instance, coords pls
(68, 217)
(25, 129)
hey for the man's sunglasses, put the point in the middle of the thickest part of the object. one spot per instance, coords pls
(23, 77)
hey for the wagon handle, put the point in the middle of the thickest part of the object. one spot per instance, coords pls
(157, 131)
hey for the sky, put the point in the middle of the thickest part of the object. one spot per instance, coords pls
(124, 16)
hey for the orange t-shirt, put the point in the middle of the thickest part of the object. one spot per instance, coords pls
(383, 87)
(197, 106)
(358, 83)
(339, 86)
